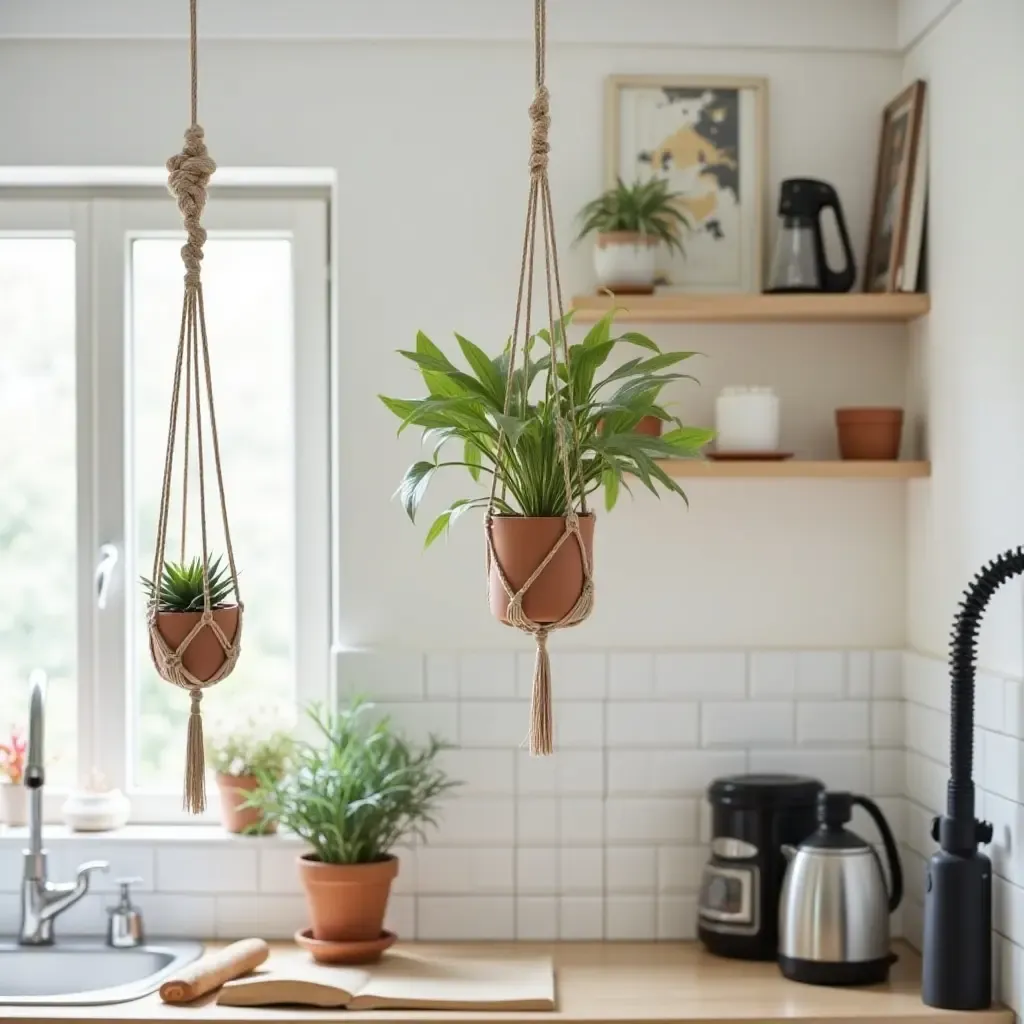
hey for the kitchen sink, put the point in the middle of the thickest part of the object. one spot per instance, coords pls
(87, 972)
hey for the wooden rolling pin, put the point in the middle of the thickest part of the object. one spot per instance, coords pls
(211, 971)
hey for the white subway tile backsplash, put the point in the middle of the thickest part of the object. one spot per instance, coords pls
(469, 918)
(536, 919)
(419, 720)
(176, 916)
(279, 872)
(887, 675)
(842, 723)
(537, 870)
(127, 860)
(680, 868)
(990, 702)
(568, 772)
(630, 675)
(442, 676)
(669, 771)
(772, 674)
(581, 820)
(499, 724)
(820, 674)
(581, 918)
(1001, 771)
(927, 732)
(677, 918)
(481, 772)
(401, 915)
(201, 869)
(750, 724)
(650, 820)
(455, 870)
(1014, 707)
(237, 917)
(887, 724)
(717, 675)
(652, 723)
(380, 675)
(487, 675)
(579, 725)
(858, 675)
(473, 821)
(630, 918)
(582, 869)
(537, 821)
(888, 772)
(838, 769)
(630, 869)
(11, 865)
(575, 675)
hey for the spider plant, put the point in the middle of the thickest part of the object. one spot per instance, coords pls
(645, 208)
(467, 409)
(181, 586)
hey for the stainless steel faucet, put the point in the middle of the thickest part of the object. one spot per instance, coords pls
(41, 900)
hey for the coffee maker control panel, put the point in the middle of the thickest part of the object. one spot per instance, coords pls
(730, 848)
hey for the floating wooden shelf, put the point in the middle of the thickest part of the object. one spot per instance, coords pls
(835, 469)
(737, 309)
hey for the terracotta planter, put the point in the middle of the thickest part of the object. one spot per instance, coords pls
(13, 804)
(649, 425)
(869, 433)
(626, 262)
(204, 656)
(521, 543)
(233, 816)
(347, 902)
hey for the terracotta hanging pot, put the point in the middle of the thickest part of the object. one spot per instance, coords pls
(233, 815)
(521, 543)
(204, 657)
(626, 262)
(649, 425)
(347, 902)
(869, 433)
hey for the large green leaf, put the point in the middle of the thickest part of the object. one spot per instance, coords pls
(473, 457)
(483, 368)
(414, 485)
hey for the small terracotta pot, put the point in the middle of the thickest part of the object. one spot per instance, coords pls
(13, 804)
(347, 902)
(233, 816)
(521, 543)
(649, 425)
(204, 656)
(869, 433)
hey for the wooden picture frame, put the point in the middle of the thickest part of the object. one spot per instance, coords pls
(897, 211)
(707, 134)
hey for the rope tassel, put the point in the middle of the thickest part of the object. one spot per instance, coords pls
(194, 799)
(542, 730)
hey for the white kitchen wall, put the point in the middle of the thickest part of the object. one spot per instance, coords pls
(428, 139)
(606, 839)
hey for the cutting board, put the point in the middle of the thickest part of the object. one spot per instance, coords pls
(400, 980)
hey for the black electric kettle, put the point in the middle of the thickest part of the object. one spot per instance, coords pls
(835, 906)
(799, 263)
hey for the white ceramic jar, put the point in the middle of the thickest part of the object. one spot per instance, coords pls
(626, 262)
(13, 804)
(86, 811)
(747, 420)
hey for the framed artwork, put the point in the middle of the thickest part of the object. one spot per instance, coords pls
(707, 137)
(897, 214)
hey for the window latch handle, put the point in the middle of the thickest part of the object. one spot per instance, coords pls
(105, 567)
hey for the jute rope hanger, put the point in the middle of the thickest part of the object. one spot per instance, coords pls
(541, 737)
(189, 174)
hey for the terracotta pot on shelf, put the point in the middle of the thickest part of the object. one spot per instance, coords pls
(869, 433)
(626, 262)
(233, 816)
(521, 543)
(649, 425)
(204, 656)
(347, 902)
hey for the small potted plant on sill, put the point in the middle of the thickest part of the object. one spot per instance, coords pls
(178, 603)
(240, 756)
(467, 409)
(631, 223)
(13, 794)
(352, 795)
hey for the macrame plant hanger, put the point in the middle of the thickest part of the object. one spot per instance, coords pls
(189, 174)
(541, 735)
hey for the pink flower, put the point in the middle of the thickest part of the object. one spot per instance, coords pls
(12, 757)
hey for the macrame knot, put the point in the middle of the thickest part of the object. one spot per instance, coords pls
(189, 173)
(572, 521)
(540, 119)
(197, 698)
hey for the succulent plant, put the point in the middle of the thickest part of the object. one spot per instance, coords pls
(181, 586)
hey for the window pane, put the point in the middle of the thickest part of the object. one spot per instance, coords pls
(247, 284)
(37, 488)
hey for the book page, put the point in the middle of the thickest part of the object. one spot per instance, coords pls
(404, 981)
(294, 978)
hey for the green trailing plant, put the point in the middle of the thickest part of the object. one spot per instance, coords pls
(466, 410)
(181, 586)
(645, 207)
(358, 790)
(254, 748)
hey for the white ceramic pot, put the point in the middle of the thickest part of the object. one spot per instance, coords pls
(747, 420)
(13, 804)
(95, 812)
(626, 262)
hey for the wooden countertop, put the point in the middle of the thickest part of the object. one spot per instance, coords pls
(638, 983)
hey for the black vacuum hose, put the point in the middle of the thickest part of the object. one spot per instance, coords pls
(962, 659)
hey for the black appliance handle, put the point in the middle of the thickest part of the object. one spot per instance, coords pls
(834, 280)
(891, 853)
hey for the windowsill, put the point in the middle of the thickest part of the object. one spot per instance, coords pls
(205, 835)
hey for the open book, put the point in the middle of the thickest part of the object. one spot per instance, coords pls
(400, 981)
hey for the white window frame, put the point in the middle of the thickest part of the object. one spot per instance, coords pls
(104, 226)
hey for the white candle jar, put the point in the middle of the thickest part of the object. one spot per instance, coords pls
(747, 420)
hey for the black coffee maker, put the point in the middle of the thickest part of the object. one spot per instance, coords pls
(799, 263)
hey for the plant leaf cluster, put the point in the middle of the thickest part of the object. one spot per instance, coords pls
(181, 586)
(645, 207)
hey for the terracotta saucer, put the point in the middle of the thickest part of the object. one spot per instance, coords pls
(727, 456)
(324, 952)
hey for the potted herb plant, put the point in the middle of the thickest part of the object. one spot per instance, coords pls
(466, 409)
(13, 794)
(240, 756)
(631, 222)
(353, 795)
(178, 603)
